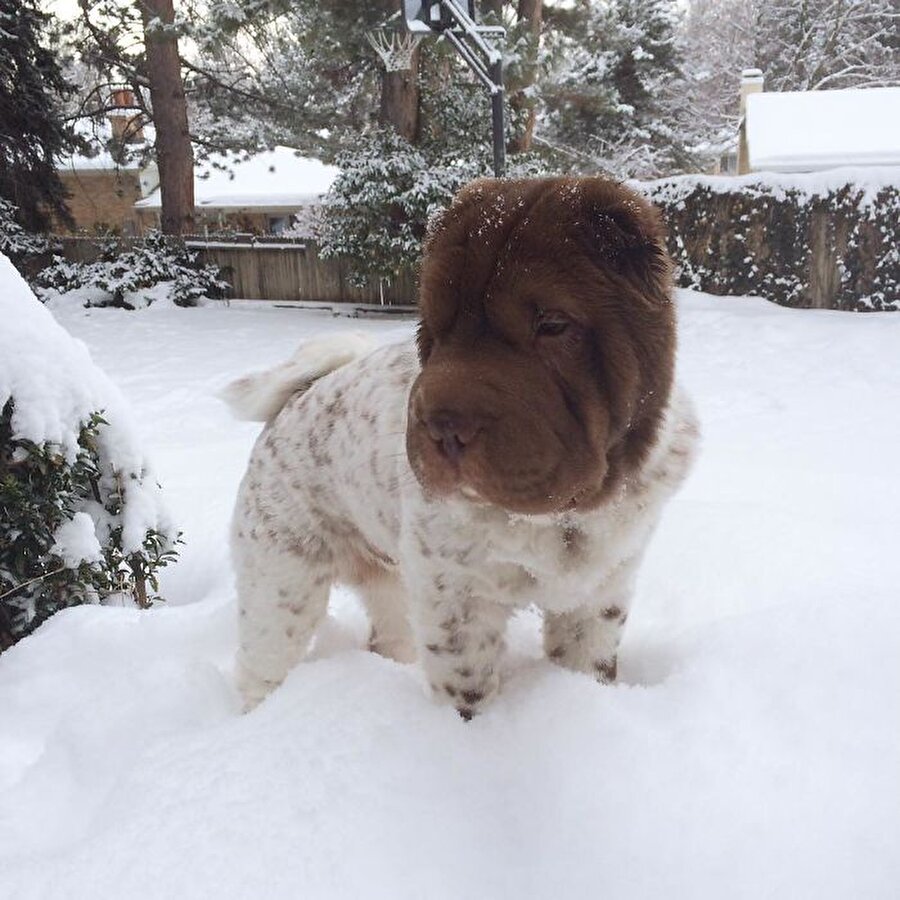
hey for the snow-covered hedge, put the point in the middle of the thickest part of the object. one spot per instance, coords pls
(81, 516)
(828, 239)
(135, 275)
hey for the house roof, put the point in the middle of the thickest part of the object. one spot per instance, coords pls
(273, 180)
(805, 131)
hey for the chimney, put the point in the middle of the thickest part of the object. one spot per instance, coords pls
(125, 117)
(751, 83)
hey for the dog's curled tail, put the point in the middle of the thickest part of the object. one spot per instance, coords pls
(260, 396)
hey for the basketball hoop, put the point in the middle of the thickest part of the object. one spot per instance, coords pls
(395, 49)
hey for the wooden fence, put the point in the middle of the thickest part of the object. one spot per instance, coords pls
(269, 268)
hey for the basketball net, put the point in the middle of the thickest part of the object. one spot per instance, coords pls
(395, 49)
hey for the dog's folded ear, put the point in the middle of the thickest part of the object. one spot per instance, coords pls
(626, 234)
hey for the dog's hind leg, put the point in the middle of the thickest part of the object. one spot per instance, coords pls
(384, 598)
(282, 597)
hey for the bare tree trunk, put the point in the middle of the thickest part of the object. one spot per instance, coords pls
(174, 155)
(400, 100)
(521, 104)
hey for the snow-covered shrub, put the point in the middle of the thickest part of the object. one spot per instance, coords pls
(377, 210)
(81, 516)
(15, 242)
(135, 276)
(829, 239)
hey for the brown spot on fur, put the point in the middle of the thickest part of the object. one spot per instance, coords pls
(606, 670)
(451, 691)
(464, 672)
(472, 697)
(611, 612)
(573, 540)
(465, 713)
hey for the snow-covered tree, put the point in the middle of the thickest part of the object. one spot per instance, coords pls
(404, 141)
(16, 242)
(611, 87)
(825, 44)
(298, 73)
(813, 45)
(136, 42)
(32, 130)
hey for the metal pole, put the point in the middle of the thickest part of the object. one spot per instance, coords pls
(497, 119)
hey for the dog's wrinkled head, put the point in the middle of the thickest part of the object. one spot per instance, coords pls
(547, 342)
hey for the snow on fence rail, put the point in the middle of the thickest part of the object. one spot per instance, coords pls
(828, 240)
(273, 268)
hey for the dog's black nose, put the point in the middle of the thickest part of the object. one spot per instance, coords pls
(452, 432)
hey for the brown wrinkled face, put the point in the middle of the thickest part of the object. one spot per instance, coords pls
(547, 341)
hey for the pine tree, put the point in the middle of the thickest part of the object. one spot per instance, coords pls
(32, 131)
(611, 87)
(299, 73)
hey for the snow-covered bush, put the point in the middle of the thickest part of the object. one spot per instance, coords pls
(81, 516)
(829, 239)
(378, 208)
(15, 242)
(135, 276)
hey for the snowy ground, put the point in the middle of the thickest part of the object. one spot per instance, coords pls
(751, 750)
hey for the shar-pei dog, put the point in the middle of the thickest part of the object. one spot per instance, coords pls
(517, 452)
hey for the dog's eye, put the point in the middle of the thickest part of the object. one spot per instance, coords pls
(551, 325)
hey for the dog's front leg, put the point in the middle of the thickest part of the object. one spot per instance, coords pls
(587, 639)
(460, 639)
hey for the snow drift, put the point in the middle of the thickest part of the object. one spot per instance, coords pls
(750, 749)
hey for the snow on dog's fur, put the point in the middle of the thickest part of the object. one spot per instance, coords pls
(519, 452)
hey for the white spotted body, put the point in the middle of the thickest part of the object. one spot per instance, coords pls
(329, 496)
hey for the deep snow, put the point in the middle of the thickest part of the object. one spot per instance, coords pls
(752, 748)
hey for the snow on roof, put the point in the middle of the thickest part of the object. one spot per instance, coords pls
(277, 178)
(805, 131)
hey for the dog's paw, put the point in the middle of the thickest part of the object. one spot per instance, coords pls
(467, 692)
(252, 688)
